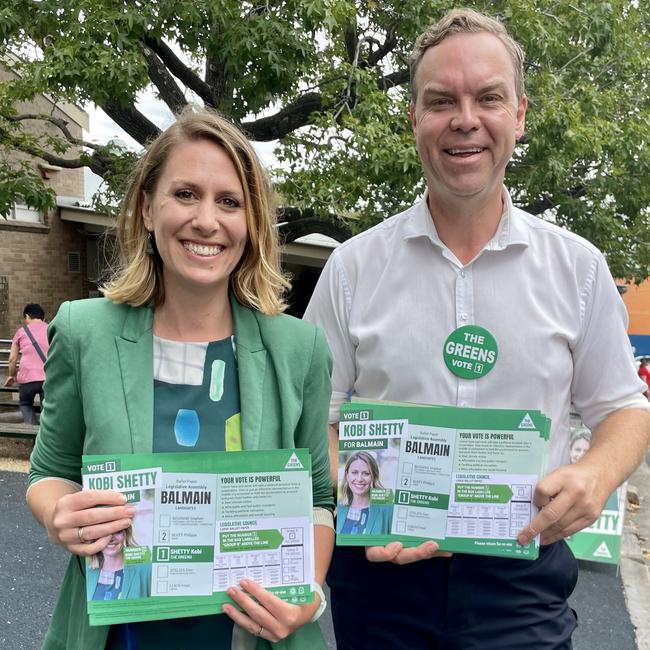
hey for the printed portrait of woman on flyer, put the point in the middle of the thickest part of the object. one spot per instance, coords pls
(109, 578)
(356, 514)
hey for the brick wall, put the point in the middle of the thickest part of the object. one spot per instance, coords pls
(35, 264)
(34, 257)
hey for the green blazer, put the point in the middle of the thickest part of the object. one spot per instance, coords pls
(99, 383)
(137, 581)
(380, 517)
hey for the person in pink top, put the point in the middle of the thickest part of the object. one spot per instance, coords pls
(30, 342)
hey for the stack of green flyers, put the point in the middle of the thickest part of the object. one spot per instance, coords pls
(600, 542)
(460, 476)
(203, 522)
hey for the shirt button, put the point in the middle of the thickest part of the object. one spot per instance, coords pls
(463, 317)
(462, 274)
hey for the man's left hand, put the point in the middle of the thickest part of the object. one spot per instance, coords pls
(570, 499)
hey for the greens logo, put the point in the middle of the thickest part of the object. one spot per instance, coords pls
(470, 352)
(294, 462)
(527, 423)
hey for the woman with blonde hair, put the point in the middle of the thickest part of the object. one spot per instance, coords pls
(110, 578)
(356, 514)
(187, 351)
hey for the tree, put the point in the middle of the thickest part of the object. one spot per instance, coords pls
(328, 79)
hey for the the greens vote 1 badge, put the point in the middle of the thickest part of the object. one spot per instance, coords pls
(470, 352)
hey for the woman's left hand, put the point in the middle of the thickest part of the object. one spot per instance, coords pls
(264, 614)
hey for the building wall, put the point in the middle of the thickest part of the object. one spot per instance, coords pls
(67, 182)
(34, 257)
(35, 264)
(637, 301)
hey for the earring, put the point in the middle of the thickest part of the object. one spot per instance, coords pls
(150, 244)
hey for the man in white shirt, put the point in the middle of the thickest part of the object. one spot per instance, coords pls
(390, 298)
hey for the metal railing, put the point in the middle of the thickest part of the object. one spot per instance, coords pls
(5, 348)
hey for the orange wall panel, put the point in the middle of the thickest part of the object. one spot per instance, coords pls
(637, 301)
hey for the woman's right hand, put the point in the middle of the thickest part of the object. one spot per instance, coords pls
(83, 522)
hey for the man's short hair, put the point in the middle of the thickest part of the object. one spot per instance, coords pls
(34, 310)
(468, 21)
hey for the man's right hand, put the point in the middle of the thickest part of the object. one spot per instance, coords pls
(397, 554)
(10, 381)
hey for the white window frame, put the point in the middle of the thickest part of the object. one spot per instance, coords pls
(21, 212)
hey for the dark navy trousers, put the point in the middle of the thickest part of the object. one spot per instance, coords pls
(465, 602)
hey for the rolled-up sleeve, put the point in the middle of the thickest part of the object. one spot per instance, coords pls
(604, 378)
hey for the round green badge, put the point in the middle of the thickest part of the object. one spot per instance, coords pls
(470, 352)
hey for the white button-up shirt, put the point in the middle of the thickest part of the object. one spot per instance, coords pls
(389, 298)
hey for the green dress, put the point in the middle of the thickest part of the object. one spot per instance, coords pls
(196, 399)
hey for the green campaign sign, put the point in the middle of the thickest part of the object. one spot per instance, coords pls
(200, 517)
(453, 472)
(470, 352)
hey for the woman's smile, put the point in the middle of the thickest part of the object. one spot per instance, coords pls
(359, 477)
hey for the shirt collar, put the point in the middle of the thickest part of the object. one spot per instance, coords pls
(511, 229)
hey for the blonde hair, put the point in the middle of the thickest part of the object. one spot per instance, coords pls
(468, 21)
(369, 460)
(97, 561)
(257, 281)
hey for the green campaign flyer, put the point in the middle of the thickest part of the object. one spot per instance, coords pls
(203, 522)
(462, 477)
(600, 542)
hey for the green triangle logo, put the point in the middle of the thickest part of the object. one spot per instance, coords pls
(294, 462)
(603, 551)
(527, 423)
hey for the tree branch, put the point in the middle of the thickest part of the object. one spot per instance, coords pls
(97, 162)
(217, 80)
(546, 202)
(216, 77)
(385, 48)
(290, 118)
(61, 124)
(131, 120)
(539, 206)
(298, 114)
(33, 150)
(299, 223)
(169, 91)
(394, 79)
(182, 72)
(351, 40)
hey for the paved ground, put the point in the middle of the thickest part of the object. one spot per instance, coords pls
(31, 570)
(635, 561)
